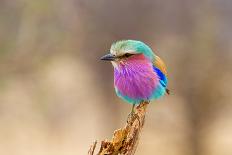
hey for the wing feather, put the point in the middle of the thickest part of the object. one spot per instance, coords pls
(158, 63)
(160, 69)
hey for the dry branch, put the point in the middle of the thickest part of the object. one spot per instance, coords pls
(124, 140)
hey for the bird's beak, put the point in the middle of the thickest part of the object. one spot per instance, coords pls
(108, 57)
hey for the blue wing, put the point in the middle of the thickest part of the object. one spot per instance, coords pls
(160, 69)
(162, 77)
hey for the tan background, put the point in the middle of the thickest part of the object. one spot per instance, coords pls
(56, 96)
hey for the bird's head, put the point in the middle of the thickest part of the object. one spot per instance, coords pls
(124, 50)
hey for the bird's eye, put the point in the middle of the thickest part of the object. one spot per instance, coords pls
(127, 55)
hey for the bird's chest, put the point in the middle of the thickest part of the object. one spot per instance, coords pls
(136, 81)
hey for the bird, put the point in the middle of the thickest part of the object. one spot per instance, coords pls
(139, 74)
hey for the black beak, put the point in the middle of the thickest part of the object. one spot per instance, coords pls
(108, 57)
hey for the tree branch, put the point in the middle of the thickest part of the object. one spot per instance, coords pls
(125, 140)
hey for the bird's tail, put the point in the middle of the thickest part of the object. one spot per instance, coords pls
(168, 91)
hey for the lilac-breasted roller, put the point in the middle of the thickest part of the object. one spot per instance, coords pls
(139, 74)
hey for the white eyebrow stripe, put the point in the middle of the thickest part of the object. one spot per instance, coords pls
(131, 52)
(119, 53)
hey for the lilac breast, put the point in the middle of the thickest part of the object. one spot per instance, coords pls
(135, 79)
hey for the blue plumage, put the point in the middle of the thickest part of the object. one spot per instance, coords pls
(162, 77)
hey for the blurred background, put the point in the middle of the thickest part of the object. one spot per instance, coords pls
(57, 97)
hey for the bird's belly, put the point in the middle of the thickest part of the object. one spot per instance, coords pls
(136, 87)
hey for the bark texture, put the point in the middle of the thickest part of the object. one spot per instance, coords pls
(124, 140)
